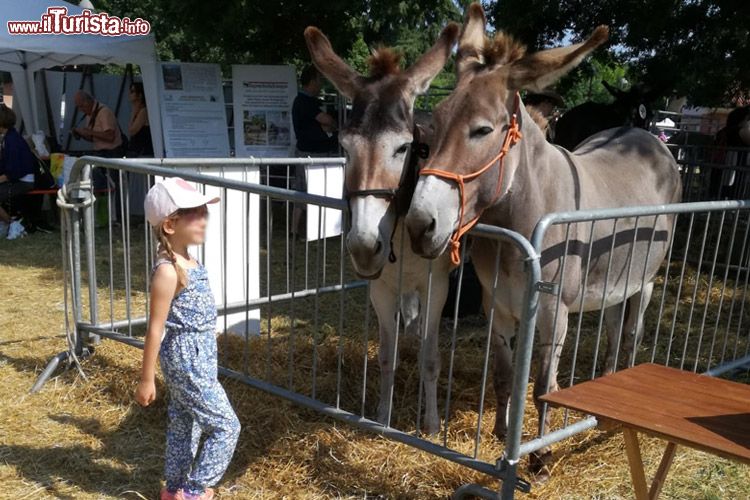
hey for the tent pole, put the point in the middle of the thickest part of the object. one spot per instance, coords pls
(128, 73)
(54, 144)
(75, 108)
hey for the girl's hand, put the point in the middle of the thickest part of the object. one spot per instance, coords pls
(145, 394)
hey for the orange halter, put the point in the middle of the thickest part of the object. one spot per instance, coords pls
(511, 137)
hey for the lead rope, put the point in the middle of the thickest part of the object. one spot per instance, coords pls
(418, 150)
(392, 256)
(511, 137)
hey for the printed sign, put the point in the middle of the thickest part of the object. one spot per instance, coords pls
(193, 112)
(263, 98)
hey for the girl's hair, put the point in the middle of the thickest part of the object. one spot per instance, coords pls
(165, 248)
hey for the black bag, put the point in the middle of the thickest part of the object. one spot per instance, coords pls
(43, 178)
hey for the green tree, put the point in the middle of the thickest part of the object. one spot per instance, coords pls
(252, 31)
(585, 82)
(696, 48)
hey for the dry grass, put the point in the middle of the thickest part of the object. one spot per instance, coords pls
(87, 439)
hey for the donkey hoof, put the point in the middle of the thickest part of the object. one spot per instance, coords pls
(539, 465)
(431, 428)
(500, 430)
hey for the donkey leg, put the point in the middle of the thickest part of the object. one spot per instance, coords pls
(410, 314)
(551, 340)
(612, 316)
(503, 330)
(385, 303)
(634, 323)
(431, 351)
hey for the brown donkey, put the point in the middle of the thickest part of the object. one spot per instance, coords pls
(489, 163)
(382, 147)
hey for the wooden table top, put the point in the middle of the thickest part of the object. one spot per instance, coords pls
(697, 411)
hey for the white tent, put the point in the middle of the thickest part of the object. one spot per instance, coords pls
(23, 55)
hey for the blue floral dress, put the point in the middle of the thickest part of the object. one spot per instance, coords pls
(198, 405)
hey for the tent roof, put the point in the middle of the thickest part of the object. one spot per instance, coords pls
(44, 51)
(23, 55)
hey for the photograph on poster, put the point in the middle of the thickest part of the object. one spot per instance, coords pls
(279, 133)
(255, 128)
(172, 76)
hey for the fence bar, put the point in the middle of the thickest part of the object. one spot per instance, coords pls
(732, 365)
(556, 436)
(487, 345)
(454, 331)
(239, 306)
(275, 193)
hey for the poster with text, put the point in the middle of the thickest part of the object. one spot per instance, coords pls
(263, 98)
(193, 113)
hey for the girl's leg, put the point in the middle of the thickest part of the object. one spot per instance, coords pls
(183, 435)
(212, 411)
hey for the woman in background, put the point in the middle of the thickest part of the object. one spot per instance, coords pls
(139, 131)
(16, 171)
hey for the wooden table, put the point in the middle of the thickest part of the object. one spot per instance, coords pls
(696, 411)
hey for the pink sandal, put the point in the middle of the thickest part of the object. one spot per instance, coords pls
(165, 494)
(208, 494)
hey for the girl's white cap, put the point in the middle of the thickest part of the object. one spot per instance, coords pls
(173, 193)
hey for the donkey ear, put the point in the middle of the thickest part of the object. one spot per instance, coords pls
(422, 72)
(614, 92)
(343, 77)
(471, 42)
(541, 69)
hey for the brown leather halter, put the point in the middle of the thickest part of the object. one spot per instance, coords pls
(402, 193)
(511, 137)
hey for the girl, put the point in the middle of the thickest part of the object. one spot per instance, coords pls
(182, 301)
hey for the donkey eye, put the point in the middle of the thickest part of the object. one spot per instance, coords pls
(402, 149)
(481, 131)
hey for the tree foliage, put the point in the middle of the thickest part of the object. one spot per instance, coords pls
(696, 48)
(252, 31)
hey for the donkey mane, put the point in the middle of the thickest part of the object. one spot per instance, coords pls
(502, 49)
(384, 61)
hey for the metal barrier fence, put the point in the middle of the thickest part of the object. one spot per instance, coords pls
(302, 324)
(697, 317)
(712, 172)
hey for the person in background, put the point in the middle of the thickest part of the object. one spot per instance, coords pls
(139, 131)
(17, 165)
(102, 128)
(314, 129)
(104, 132)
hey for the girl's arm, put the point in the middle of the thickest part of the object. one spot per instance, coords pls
(163, 289)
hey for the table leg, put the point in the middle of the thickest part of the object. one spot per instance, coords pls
(636, 464)
(661, 473)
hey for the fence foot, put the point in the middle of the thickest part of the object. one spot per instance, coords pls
(474, 490)
(48, 371)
